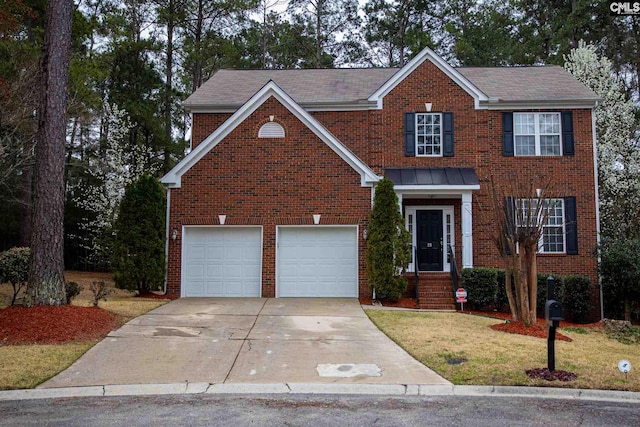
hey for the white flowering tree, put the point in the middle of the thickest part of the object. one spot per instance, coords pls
(618, 154)
(116, 164)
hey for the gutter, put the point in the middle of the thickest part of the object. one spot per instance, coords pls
(166, 242)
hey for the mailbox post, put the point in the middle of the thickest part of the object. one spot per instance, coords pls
(553, 313)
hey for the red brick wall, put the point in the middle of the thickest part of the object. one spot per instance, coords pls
(376, 137)
(269, 182)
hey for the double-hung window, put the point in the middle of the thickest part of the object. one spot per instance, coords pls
(553, 229)
(428, 134)
(537, 134)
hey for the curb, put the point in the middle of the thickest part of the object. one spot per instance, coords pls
(320, 388)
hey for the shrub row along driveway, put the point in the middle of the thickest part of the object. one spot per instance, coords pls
(248, 340)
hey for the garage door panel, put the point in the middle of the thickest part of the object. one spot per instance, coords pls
(317, 262)
(222, 262)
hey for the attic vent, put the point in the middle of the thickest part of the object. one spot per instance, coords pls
(271, 130)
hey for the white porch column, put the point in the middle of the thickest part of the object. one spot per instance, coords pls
(399, 201)
(467, 230)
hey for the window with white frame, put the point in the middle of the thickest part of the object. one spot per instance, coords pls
(553, 230)
(537, 134)
(428, 134)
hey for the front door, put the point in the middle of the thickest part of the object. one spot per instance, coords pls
(429, 240)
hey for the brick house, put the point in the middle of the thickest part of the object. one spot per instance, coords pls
(273, 199)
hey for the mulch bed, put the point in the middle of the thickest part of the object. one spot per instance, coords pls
(152, 295)
(545, 374)
(538, 330)
(54, 325)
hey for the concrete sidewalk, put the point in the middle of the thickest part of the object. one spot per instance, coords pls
(244, 341)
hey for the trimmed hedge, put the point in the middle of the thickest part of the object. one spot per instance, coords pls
(577, 298)
(486, 289)
(481, 285)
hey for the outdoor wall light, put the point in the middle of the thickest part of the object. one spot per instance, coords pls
(222, 219)
(364, 234)
(316, 219)
(174, 234)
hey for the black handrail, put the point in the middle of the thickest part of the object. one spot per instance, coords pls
(415, 269)
(453, 269)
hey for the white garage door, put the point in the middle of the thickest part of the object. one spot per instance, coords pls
(317, 262)
(221, 262)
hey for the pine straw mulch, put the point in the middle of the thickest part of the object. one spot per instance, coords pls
(55, 325)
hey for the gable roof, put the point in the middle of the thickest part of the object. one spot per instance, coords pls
(339, 89)
(271, 89)
(311, 88)
(424, 55)
(530, 85)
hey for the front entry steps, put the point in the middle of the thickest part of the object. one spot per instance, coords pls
(435, 290)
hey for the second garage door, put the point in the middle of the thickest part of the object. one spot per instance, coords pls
(317, 262)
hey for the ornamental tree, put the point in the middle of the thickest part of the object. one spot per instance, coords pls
(388, 244)
(518, 211)
(138, 251)
(618, 154)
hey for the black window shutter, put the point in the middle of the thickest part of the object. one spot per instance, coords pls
(509, 219)
(447, 134)
(409, 134)
(571, 225)
(567, 133)
(507, 134)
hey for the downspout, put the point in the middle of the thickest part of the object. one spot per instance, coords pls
(597, 194)
(166, 242)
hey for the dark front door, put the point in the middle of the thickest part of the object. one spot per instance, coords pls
(429, 240)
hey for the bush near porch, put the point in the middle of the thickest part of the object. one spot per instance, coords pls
(486, 290)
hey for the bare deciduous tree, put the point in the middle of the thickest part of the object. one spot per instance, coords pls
(519, 211)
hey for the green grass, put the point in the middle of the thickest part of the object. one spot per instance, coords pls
(498, 358)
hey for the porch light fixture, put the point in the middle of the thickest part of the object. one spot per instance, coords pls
(316, 219)
(364, 234)
(222, 219)
(174, 234)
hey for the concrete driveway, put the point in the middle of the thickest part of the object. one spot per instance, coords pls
(248, 340)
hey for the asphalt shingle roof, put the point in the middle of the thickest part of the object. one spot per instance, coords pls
(308, 87)
(305, 86)
(528, 83)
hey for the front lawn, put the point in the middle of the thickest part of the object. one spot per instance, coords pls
(465, 350)
(27, 365)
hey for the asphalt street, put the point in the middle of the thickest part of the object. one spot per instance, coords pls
(316, 410)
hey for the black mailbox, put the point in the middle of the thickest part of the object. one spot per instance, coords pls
(553, 311)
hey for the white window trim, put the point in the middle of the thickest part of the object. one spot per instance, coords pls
(441, 134)
(564, 227)
(446, 210)
(537, 134)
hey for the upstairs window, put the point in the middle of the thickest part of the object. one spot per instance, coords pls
(428, 134)
(537, 134)
(553, 230)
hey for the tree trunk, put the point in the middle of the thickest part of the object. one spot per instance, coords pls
(319, 9)
(509, 290)
(627, 309)
(168, 100)
(532, 279)
(46, 279)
